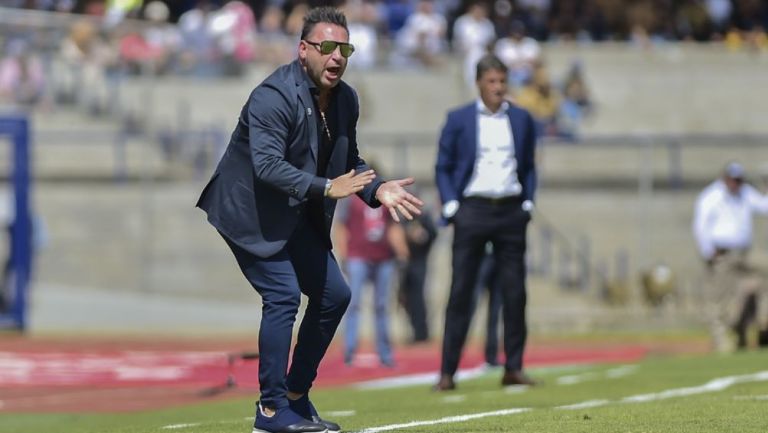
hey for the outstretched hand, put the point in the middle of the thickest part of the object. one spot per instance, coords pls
(394, 197)
(350, 183)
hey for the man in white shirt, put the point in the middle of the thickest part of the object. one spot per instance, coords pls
(722, 226)
(486, 177)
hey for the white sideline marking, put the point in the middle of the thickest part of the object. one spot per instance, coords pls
(613, 373)
(711, 386)
(584, 404)
(446, 420)
(177, 426)
(420, 379)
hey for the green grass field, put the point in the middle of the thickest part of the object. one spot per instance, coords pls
(697, 394)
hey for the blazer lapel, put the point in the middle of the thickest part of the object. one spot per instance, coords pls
(518, 139)
(472, 132)
(308, 104)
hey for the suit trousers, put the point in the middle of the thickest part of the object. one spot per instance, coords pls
(504, 224)
(307, 266)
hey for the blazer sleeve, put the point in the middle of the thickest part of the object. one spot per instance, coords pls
(446, 159)
(270, 119)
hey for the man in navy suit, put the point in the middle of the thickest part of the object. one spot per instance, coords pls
(272, 197)
(486, 177)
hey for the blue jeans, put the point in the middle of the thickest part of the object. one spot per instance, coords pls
(305, 266)
(380, 274)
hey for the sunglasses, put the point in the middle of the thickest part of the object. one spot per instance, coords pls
(327, 47)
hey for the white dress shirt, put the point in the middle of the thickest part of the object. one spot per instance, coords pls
(495, 173)
(724, 220)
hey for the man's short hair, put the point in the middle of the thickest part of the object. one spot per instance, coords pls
(323, 14)
(487, 63)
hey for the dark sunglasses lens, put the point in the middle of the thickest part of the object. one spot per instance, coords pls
(327, 47)
(347, 50)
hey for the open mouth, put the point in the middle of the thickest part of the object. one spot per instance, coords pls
(333, 72)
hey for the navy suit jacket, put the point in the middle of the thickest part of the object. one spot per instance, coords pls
(260, 188)
(458, 150)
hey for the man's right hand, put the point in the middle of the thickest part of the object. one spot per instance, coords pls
(350, 183)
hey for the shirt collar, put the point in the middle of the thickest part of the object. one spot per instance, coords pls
(482, 109)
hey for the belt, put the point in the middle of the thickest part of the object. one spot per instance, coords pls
(496, 201)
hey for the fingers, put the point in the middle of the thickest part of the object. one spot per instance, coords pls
(414, 200)
(411, 208)
(405, 182)
(393, 213)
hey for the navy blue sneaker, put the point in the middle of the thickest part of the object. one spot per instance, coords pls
(305, 408)
(284, 420)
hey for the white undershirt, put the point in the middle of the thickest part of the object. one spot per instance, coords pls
(495, 173)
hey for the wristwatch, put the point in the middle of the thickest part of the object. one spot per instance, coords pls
(328, 186)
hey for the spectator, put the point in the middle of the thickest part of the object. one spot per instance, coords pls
(200, 54)
(152, 49)
(520, 53)
(363, 19)
(543, 101)
(87, 55)
(274, 45)
(22, 79)
(422, 39)
(234, 26)
(420, 234)
(722, 226)
(576, 103)
(368, 243)
(473, 36)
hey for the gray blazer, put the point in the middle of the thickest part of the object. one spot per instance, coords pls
(261, 186)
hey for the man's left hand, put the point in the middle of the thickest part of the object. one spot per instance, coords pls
(394, 197)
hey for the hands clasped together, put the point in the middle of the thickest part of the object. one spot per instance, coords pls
(391, 194)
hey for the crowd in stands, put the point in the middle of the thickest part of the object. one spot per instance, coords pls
(221, 38)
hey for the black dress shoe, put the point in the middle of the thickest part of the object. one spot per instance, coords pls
(445, 383)
(517, 378)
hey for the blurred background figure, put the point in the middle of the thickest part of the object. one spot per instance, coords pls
(542, 100)
(521, 54)
(275, 46)
(363, 20)
(87, 56)
(420, 234)
(22, 79)
(722, 225)
(486, 283)
(421, 40)
(576, 103)
(368, 244)
(151, 50)
(473, 36)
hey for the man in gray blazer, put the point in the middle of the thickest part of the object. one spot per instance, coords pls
(272, 197)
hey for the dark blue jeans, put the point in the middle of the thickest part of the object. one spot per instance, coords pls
(307, 266)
